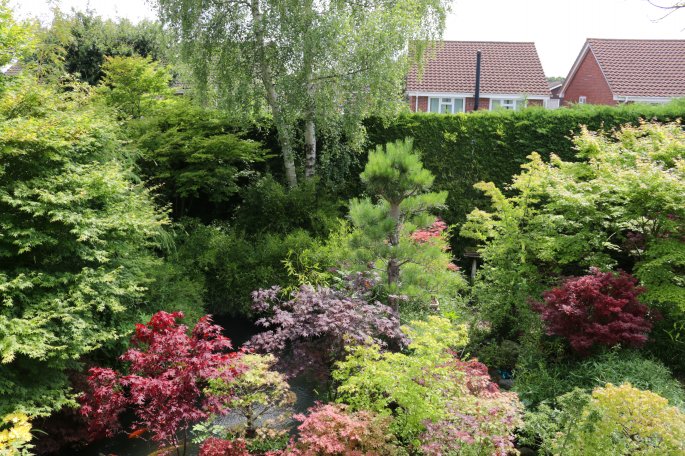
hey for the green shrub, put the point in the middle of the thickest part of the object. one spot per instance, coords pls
(614, 420)
(231, 265)
(540, 380)
(270, 207)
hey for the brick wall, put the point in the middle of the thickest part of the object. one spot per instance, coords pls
(423, 104)
(484, 104)
(589, 82)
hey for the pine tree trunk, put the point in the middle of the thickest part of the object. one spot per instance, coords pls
(284, 130)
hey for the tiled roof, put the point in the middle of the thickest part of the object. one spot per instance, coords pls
(645, 68)
(506, 68)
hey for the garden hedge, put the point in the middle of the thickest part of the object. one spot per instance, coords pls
(463, 149)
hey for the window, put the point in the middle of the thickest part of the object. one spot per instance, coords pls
(446, 105)
(582, 100)
(506, 103)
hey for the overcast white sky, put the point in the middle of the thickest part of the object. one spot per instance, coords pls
(558, 28)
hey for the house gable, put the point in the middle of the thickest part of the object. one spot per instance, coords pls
(586, 79)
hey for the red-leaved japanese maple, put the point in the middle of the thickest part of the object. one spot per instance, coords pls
(435, 231)
(168, 372)
(309, 330)
(600, 308)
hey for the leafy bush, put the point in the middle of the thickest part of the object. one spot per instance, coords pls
(331, 429)
(482, 423)
(76, 244)
(227, 265)
(540, 380)
(269, 207)
(167, 380)
(601, 308)
(617, 420)
(15, 435)
(432, 396)
(312, 326)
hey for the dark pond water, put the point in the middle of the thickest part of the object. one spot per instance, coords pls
(239, 330)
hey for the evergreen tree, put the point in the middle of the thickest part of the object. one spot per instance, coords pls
(386, 227)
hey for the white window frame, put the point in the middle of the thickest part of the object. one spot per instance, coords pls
(582, 99)
(451, 104)
(515, 103)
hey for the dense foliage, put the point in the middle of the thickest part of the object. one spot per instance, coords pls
(601, 308)
(304, 61)
(433, 397)
(463, 149)
(166, 381)
(15, 435)
(617, 420)
(622, 204)
(310, 329)
(80, 42)
(77, 228)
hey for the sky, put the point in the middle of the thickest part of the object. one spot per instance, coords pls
(558, 28)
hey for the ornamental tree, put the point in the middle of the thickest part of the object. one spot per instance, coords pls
(332, 429)
(601, 308)
(391, 231)
(327, 64)
(310, 328)
(412, 387)
(258, 392)
(166, 382)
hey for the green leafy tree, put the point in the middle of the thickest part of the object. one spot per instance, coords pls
(78, 43)
(133, 85)
(75, 246)
(16, 38)
(194, 156)
(383, 228)
(327, 64)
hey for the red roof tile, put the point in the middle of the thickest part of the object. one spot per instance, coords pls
(645, 68)
(506, 68)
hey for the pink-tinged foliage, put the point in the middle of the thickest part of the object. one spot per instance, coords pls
(435, 231)
(168, 372)
(309, 331)
(214, 446)
(332, 430)
(601, 308)
(484, 419)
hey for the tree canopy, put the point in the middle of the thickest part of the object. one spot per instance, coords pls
(317, 66)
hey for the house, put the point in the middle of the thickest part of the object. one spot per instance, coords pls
(511, 77)
(609, 71)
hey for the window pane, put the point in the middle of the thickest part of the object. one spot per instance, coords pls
(447, 100)
(496, 104)
(458, 105)
(434, 105)
(446, 108)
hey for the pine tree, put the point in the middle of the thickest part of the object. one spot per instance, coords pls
(382, 238)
